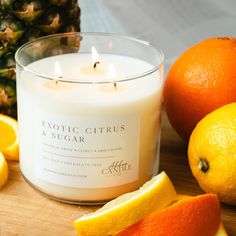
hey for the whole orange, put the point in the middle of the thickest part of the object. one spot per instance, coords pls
(202, 79)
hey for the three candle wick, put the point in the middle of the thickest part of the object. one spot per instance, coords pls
(59, 77)
(95, 64)
(95, 67)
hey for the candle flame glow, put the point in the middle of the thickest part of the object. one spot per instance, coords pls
(57, 70)
(95, 56)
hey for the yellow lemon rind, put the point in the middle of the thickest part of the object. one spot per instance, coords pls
(128, 209)
(3, 170)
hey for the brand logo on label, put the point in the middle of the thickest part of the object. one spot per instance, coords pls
(117, 168)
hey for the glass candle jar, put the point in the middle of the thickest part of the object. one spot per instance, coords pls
(89, 123)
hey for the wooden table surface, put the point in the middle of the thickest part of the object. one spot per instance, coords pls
(25, 212)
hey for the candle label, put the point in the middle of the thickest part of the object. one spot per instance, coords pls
(87, 152)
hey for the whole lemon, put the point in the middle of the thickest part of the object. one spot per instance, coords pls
(212, 153)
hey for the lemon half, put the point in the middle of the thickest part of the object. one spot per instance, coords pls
(3, 170)
(9, 137)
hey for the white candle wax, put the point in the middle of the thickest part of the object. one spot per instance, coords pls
(81, 142)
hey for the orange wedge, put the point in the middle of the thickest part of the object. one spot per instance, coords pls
(9, 137)
(191, 216)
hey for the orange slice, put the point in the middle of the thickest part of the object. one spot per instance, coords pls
(9, 141)
(191, 216)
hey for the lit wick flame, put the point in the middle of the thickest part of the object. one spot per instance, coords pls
(95, 57)
(57, 71)
(112, 74)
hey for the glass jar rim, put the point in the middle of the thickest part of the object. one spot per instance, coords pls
(157, 51)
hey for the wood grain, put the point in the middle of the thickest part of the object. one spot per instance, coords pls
(25, 212)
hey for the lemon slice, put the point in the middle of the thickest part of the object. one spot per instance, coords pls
(128, 209)
(3, 170)
(9, 143)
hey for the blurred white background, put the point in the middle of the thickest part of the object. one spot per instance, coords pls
(172, 25)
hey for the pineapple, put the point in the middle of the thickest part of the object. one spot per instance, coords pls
(24, 20)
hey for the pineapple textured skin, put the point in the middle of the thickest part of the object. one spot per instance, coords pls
(22, 21)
